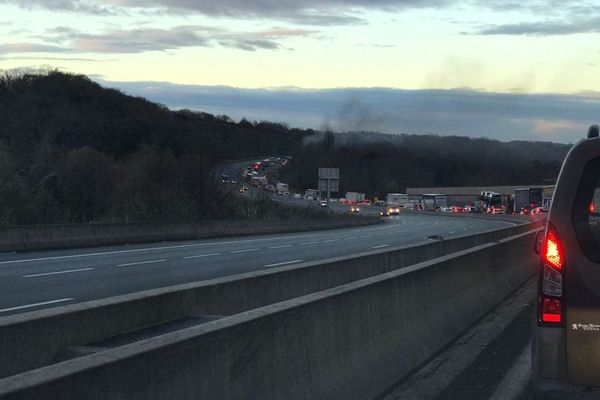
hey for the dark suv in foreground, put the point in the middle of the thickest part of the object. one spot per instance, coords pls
(566, 339)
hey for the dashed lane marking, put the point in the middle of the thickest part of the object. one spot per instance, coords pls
(58, 272)
(203, 255)
(244, 251)
(283, 263)
(380, 246)
(141, 263)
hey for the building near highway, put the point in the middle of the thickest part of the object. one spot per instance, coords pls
(465, 194)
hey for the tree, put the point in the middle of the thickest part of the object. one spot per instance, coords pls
(85, 180)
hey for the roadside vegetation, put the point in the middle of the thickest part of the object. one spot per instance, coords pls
(377, 164)
(73, 151)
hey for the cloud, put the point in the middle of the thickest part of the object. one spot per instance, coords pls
(554, 128)
(138, 40)
(81, 59)
(31, 48)
(323, 20)
(544, 28)
(121, 41)
(306, 12)
(79, 6)
(561, 118)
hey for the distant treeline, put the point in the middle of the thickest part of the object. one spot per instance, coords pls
(72, 151)
(378, 164)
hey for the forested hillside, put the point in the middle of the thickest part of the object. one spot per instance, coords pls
(72, 151)
(378, 164)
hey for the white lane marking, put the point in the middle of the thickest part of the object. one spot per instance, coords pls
(35, 305)
(282, 263)
(281, 247)
(380, 246)
(331, 240)
(182, 246)
(308, 243)
(141, 262)
(367, 236)
(202, 255)
(515, 381)
(58, 272)
(244, 251)
(351, 238)
(451, 232)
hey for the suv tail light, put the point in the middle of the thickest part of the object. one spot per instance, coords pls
(553, 260)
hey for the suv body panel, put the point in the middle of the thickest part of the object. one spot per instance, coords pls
(569, 355)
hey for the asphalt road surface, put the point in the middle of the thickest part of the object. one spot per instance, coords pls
(37, 280)
(490, 361)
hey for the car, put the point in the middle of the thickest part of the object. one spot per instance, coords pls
(354, 210)
(446, 209)
(243, 189)
(323, 203)
(566, 333)
(393, 210)
(495, 210)
(537, 211)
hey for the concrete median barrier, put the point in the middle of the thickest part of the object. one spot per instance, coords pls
(347, 342)
(23, 348)
(42, 237)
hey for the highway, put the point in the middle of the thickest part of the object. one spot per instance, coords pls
(36, 280)
(490, 361)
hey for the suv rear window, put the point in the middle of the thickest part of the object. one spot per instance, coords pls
(586, 211)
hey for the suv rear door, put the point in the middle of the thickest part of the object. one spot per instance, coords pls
(578, 199)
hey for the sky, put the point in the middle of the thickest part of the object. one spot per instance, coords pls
(484, 68)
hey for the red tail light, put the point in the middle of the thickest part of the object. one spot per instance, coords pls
(592, 207)
(551, 310)
(553, 263)
(552, 250)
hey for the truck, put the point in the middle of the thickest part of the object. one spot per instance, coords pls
(259, 181)
(355, 197)
(527, 199)
(491, 199)
(433, 202)
(311, 194)
(281, 188)
(394, 202)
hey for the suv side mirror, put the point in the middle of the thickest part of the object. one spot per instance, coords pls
(539, 239)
